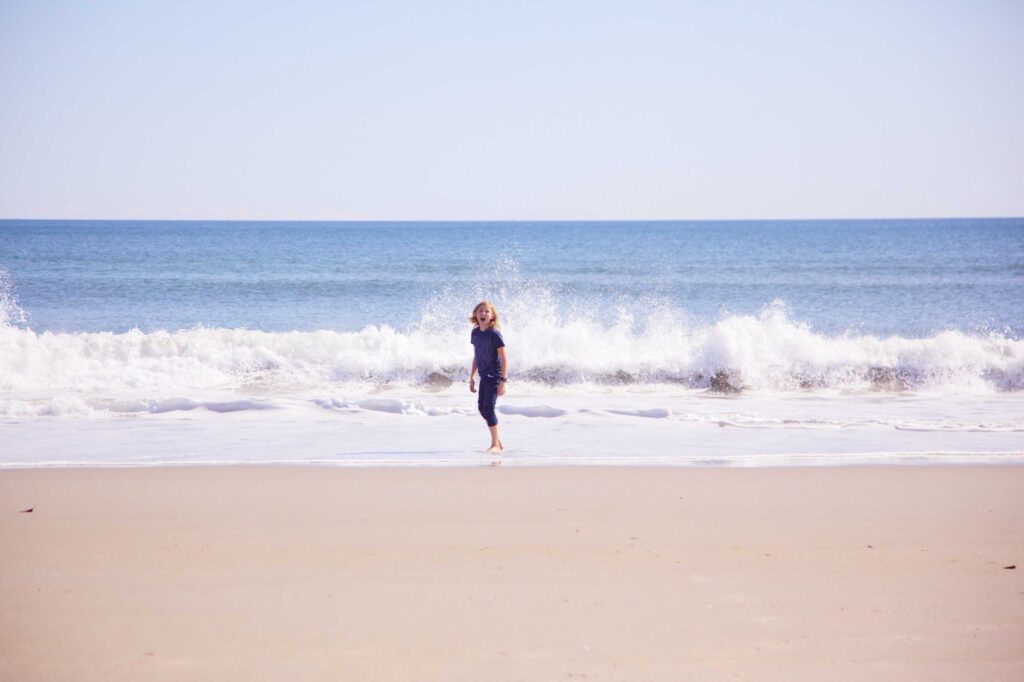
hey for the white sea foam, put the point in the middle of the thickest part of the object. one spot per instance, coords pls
(11, 314)
(561, 427)
(546, 411)
(651, 413)
(390, 405)
(768, 352)
(587, 388)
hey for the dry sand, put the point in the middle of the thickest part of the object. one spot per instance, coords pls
(275, 573)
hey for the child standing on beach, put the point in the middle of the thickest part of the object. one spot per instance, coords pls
(489, 360)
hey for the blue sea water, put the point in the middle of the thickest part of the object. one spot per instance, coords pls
(738, 343)
(912, 278)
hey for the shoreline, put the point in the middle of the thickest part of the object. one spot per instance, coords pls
(592, 430)
(907, 461)
(517, 572)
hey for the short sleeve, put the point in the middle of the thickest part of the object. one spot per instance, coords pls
(499, 342)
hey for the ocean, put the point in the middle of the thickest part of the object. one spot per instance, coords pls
(754, 343)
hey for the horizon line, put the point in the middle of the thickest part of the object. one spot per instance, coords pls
(506, 220)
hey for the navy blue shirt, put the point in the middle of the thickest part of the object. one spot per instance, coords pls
(485, 349)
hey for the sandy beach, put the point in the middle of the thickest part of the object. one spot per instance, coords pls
(267, 573)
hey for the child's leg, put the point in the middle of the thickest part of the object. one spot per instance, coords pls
(486, 402)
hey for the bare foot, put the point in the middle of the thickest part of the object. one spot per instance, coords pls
(494, 449)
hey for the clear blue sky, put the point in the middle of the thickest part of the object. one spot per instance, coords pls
(511, 110)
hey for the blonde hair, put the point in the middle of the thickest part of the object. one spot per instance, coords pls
(495, 320)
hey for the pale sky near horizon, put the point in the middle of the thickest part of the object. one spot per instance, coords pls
(511, 110)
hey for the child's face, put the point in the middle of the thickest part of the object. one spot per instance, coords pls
(484, 315)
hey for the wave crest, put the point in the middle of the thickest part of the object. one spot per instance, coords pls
(766, 352)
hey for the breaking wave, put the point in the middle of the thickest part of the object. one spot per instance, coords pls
(764, 352)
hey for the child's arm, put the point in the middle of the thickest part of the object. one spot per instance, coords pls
(472, 374)
(504, 370)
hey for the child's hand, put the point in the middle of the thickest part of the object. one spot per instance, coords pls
(472, 386)
(501, 388)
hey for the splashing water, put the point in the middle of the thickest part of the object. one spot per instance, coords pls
(553, 340)
(11, 314)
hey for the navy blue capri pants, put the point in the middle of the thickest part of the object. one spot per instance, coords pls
(487, 399)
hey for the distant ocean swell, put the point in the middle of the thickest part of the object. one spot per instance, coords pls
(765, 353)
